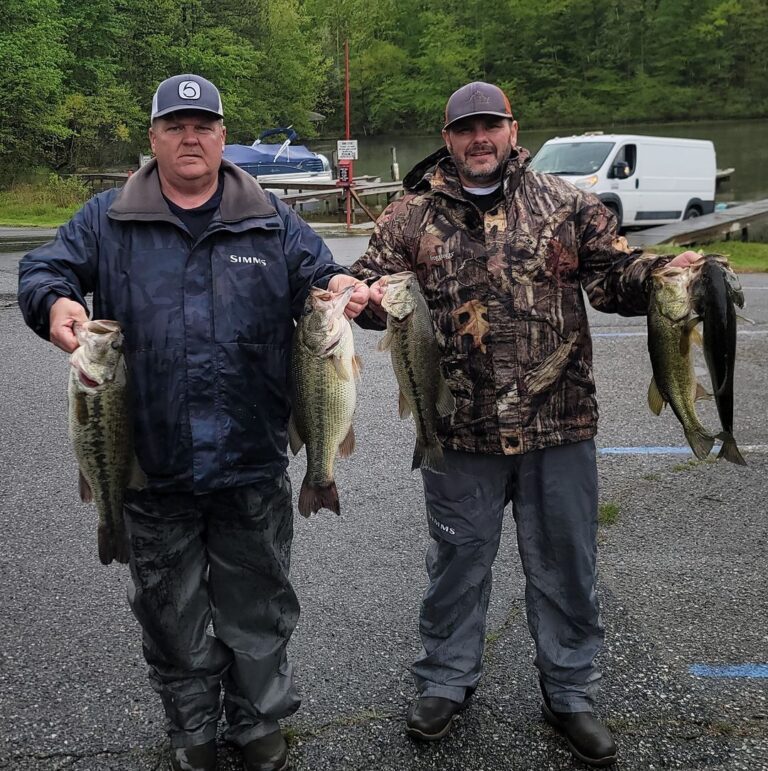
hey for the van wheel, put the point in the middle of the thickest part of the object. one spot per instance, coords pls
(615, 209)
(691, 212)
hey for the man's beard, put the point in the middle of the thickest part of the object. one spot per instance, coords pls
(489, 172)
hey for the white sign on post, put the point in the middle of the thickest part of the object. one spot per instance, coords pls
(346, 149)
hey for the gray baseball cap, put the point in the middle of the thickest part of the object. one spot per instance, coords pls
(476, 98)
(186, 92)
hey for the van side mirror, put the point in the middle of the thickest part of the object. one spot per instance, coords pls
(620, 170)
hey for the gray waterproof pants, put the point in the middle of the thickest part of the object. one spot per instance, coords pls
(222, 557)
(554, 497)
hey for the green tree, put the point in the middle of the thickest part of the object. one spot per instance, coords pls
(31, 52)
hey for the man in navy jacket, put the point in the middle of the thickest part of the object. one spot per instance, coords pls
(206, 272)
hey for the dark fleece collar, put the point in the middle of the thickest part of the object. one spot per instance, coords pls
(142, 198)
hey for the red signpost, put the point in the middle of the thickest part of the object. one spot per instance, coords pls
(347, 165)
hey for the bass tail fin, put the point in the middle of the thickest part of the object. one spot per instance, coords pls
(312, 498)
(729, 451)
(700, 443)
(428, 456)
(113, 542)
(106, 554)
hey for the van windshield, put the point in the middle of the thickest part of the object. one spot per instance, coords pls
(571, 157)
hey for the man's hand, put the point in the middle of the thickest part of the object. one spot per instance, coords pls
(359, 298)
(378, 288)
(65, 313)
(685, 259)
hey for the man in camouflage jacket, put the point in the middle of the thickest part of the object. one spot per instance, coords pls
(502, 254)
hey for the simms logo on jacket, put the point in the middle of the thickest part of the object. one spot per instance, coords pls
(247, 260)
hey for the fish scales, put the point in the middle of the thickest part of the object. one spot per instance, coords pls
(415, 358)
(100, 430)
(325, 407)
(410, 347)
(323, 395)
(669, 346)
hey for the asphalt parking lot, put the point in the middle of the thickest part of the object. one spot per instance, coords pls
(683, 586)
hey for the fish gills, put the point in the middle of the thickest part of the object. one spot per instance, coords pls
(324, 369)
(415, 354)
(100, 430)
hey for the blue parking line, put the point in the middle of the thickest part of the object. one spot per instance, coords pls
(733, 670)
(645, 334)
(647, 450)
(619, 334)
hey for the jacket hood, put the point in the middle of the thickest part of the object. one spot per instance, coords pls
(438, 172)
(142, 198)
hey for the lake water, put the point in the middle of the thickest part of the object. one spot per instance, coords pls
(742, 145)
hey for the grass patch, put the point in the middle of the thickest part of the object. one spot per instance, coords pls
(693, 463)
(744, 256)
(722, 728)
(608, 514)
(48, 203)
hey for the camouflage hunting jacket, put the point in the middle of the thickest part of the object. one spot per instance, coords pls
(505, 292)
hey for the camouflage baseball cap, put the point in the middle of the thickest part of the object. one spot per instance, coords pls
(476, 98)
(186, 92)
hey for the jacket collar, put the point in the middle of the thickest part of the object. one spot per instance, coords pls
(142, 197)
(438, 174)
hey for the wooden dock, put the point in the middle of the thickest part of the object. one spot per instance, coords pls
(723, 175)
(728, 224)
(332, 197)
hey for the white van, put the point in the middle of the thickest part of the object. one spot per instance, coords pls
(643, 180)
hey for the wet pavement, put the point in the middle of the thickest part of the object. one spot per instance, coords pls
(683, 585)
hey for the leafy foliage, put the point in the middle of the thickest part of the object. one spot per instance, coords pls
(77, 76)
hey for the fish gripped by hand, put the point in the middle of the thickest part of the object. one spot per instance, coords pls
(670, 328)
(100, 430)
(323, 394)
(410, 338)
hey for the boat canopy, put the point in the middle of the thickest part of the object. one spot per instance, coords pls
(248, 154)
(260, 159)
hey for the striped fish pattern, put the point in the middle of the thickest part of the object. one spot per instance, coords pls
(410, 339)
(100, 430)
(324, 369)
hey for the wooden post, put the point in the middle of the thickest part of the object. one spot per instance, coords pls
(394, 168)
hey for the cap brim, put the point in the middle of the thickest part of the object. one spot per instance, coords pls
(474, 114)
(183, 108)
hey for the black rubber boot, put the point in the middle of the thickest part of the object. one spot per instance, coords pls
(267, 753)
(201, 757)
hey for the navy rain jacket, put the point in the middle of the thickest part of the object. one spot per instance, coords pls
(208, 324)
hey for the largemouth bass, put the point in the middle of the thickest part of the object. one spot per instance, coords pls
(670, 329)
(323, 394)
(714, 291)
(410, 338)
(100, 430)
